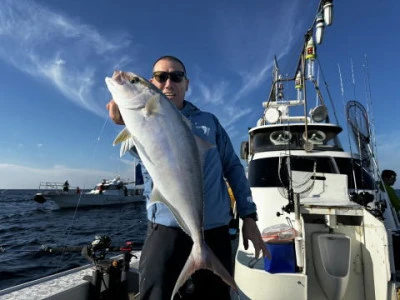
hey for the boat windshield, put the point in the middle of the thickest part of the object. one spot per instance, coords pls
(273, 138)
(262, 172)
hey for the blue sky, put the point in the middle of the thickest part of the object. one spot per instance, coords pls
(54, 56)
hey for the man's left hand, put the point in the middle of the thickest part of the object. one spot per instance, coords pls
(251, 232)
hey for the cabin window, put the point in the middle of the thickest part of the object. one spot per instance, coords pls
(261, 141)
(264, 172)
(306, 164)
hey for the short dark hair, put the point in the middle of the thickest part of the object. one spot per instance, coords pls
(388, 173)
(171, 58)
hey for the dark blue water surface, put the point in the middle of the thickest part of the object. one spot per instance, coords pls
(26, 225)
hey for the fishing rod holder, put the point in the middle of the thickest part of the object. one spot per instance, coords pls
(98, 249)
(108, 279)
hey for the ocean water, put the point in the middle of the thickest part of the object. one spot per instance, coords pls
(26, 225)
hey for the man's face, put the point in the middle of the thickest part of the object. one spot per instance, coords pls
(390, 180)
(174, 91)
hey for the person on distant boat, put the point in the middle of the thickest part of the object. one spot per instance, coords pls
(167, 246)
(389, 178)
(66, 186)
(101, 188)
(125, 190)
(78, 190)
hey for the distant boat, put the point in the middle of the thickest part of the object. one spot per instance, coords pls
(106, 192)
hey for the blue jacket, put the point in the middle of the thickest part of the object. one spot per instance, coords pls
(220, 161)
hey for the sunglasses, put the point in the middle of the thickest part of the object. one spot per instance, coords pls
(175, 76)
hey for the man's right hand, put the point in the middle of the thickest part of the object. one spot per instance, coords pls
(114, 113)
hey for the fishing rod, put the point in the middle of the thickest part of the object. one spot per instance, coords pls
(100, 243)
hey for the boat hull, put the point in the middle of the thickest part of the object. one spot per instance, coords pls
(87, 200)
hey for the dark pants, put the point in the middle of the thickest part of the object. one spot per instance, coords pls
(164, 254)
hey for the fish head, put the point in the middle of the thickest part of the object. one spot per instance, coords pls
(127, 89)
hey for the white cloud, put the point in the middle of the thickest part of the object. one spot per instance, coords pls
(249, 57)
(56, 49)
(11, 174)
(216, 94)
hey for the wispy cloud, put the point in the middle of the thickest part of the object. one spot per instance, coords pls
(214, 92)
(218, 97)
(249, 56)
(56, 48)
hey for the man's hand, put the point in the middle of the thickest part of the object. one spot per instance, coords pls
(250, 232)
(114, 113)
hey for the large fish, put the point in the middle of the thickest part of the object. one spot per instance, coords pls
(173, 157)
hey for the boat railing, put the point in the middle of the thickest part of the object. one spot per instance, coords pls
(54, 186)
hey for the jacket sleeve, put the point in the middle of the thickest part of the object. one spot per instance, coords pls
(235, 174)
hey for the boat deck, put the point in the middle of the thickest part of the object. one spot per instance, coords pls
(66, 285)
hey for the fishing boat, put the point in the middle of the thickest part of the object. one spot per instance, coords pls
(106, 192)
(328, 224)
(329, 227)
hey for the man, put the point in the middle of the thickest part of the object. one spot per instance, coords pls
(167, 246)
(389, 178)
(66, 186)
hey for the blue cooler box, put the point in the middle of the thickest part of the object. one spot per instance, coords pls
(282, 258)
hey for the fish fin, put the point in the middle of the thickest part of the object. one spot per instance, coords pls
(127, 141)
(152, 105)
(156, 196)
(126, 146)
(122, 136)
(202, 257)
(140, 149)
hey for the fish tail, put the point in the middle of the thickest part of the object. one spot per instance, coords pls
(202, 257)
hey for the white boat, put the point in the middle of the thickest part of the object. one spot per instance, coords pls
(331, 230)
(107, 192)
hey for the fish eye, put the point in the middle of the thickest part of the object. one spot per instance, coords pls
(134, 80)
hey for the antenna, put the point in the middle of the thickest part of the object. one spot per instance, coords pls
(369, 108)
